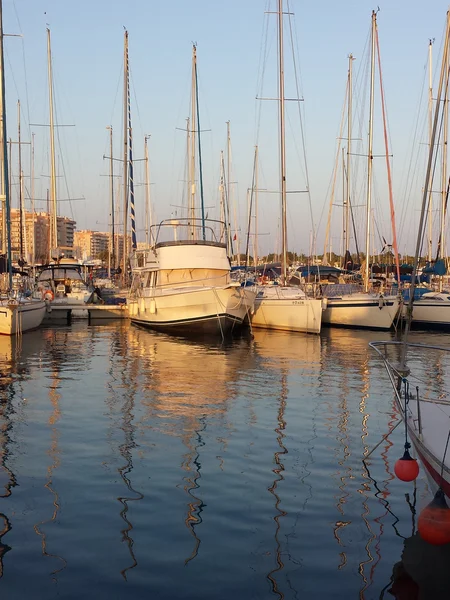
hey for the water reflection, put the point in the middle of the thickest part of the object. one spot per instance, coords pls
(422, 573)
(57, 348)
(278, 470)
(192, 465)
(9, 353)
(186, 384)
(123, 384)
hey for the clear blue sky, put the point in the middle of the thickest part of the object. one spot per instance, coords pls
(87, 46)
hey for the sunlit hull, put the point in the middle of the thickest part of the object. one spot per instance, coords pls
(19, 317)
(205, 310)
(286, 310)
(361, 311)
(431, 312)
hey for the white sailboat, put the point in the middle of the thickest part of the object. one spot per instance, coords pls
(18, 312)
(183, 285)
(419, 373)
(349, 306)
(61, 280)
(282, 307)
(432, 309)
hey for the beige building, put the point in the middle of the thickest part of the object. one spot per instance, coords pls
(90, 245)
(36, 230)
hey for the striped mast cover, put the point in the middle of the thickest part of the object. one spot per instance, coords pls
(130, 163)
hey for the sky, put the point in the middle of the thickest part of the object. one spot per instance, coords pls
(87, 50)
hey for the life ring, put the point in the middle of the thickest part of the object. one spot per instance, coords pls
(48, 295)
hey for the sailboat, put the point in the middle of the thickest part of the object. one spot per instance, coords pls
(182, 282)
(18, 312)
(61, 280)
(349, 305)
(285, 307)
(431, 309)
(419, 373)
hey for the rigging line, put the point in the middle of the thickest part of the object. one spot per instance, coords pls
(24, 69)
(332, 183)
(414, 136)
(388, 165)
(264, 52)
(306, 173)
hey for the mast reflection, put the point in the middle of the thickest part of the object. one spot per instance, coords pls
(125, 361)
(186, 384)
(57, 349)
(9, 353)
(195, 508)
(278, 470)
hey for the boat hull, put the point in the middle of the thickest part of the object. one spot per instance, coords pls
(216, 311)
(364, 313)
(430, 313)
(19, 317)
(287, 313)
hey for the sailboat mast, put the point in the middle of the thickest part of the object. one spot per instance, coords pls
(131, 169)
(282, 146)
(255, 259)
(430, 133)
(223, 228)
(111, 253)
(125, 155)
(349, 150)
(33, 238)
(370, 151)
(20, 182)
(444, 183)
(148, 216)
(5, 179)
(53, 216)
(193, 122)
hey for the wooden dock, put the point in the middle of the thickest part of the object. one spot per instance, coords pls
(66, 311)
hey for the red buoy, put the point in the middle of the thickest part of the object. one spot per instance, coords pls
(434, 521)
(406, 468)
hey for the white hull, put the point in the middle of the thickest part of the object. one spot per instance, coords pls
(431, 309)
(427, 419)
(193, 310)
(288, 310)
(361, 310)
(18, 317)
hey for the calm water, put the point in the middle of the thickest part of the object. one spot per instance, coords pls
(134, 465)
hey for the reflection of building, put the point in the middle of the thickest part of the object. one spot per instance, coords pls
(35, 230)
(91, 244)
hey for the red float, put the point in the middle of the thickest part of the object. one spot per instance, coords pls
(406, 468)
(434, 521)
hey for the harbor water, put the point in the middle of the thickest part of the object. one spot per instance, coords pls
(136, 465)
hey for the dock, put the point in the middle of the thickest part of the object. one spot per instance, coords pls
(66, 311)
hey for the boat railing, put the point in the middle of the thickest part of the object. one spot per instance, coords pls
(137, 285)
(184, 228)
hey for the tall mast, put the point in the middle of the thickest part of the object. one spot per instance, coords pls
(255, 258)
(282, 146)
(349, 146)
(125, 155)
(193, 122)
(430, 132)
(21, 215)
(33, 238)
(130, 167)
(370, 151)
(111, 253)
(148, 206)
(444, 183)
(5, 178)
(53, 215)
(200, 165)
(223, 228)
